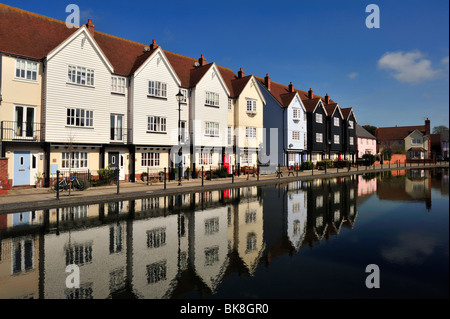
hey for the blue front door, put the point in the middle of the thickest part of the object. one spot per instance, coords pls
(21, 168)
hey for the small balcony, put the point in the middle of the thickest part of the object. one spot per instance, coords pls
(20, 131)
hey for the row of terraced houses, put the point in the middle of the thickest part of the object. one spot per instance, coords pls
(77, 98)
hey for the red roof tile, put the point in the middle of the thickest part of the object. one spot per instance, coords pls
(396, 133)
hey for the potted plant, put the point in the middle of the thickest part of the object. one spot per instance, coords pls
(38, 179)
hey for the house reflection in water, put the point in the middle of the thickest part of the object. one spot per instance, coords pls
(406, 185)
(168, 247)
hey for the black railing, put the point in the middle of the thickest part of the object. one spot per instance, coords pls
(20, 131)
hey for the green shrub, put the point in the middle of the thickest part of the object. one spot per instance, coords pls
(308, 165)
(369, 158)
(106, 175)
(325, 163)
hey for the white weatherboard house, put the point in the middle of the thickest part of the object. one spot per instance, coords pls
(284, 111)
(83, 111)
(208, 97)
(154, 113)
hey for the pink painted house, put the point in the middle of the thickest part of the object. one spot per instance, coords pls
(366, 142)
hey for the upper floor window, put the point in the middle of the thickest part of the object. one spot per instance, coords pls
(230, 105)
(251, 106)
(351, 141)
(26, 70)
(336, 121)
(250, 132)
(156, 124)
(319, 137)
(118, 84)
(416, 141)
(350, 124)
(230, 136)
(80, 75)
(336, 139)
(185, 95)
(211, 129)
(80, 117)
(212, 99)
(296, 135)
(157, 89)
(297, 114)
(318, 118)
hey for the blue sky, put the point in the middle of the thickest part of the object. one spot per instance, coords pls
(395, 75)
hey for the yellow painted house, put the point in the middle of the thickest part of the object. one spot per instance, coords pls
(20, 118)
(245, 120)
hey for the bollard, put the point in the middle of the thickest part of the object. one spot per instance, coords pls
(349, 166)
(118, 180)
(279, 171)
(257, 171)
(297, 169)
(326, 164)
(232, 174)
(148, 175)
(210, 173)
(202, 176)
(165, 178)
(57, 184)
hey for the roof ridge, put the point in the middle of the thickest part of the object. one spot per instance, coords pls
(37, 15)
(122, 39)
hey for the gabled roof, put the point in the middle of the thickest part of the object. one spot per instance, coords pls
(347, 112)
(311, 104)
(331, 108)
(397, 132)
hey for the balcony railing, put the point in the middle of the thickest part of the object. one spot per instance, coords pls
(20, 131)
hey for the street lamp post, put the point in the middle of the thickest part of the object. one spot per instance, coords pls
(180, 97)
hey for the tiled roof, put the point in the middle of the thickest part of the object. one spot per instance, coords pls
(330, 108)
(310, 105)
(396, 133)
(362, 132)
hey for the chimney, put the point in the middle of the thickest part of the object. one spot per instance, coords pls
(154, 45)
(267, 82)
(291, 87)
(91, 27)
(427, 127)
(202, 60)
(241, 74)
(327, 99)
(310, 94)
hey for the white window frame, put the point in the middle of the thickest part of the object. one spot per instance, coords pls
(114, 126)
(251, 106)
(185, 96)
(319, 138)
(157, 89)
(212, 129)
(156, 124)
(351, 141)
(319, 118)
(118, 84)
(351, 125)
(250, 132)
(296, 114)
(336, 122)
(26, 70)
(230, 105)
(74, 160)
(80, 75)
(416, 141)
(296, 135)
(205, 158)
(337, 139)
(211, 98)
(246, 157)
(230, 136)
(78, 117)
(150, 159)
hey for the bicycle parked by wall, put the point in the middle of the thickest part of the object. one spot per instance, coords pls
(67, 182)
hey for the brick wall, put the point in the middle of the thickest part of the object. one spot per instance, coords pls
(4, 183)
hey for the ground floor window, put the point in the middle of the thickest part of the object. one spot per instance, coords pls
(205, 159)
(74, 160)
(150, 159)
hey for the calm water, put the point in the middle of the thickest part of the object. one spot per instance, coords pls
(298, 240)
